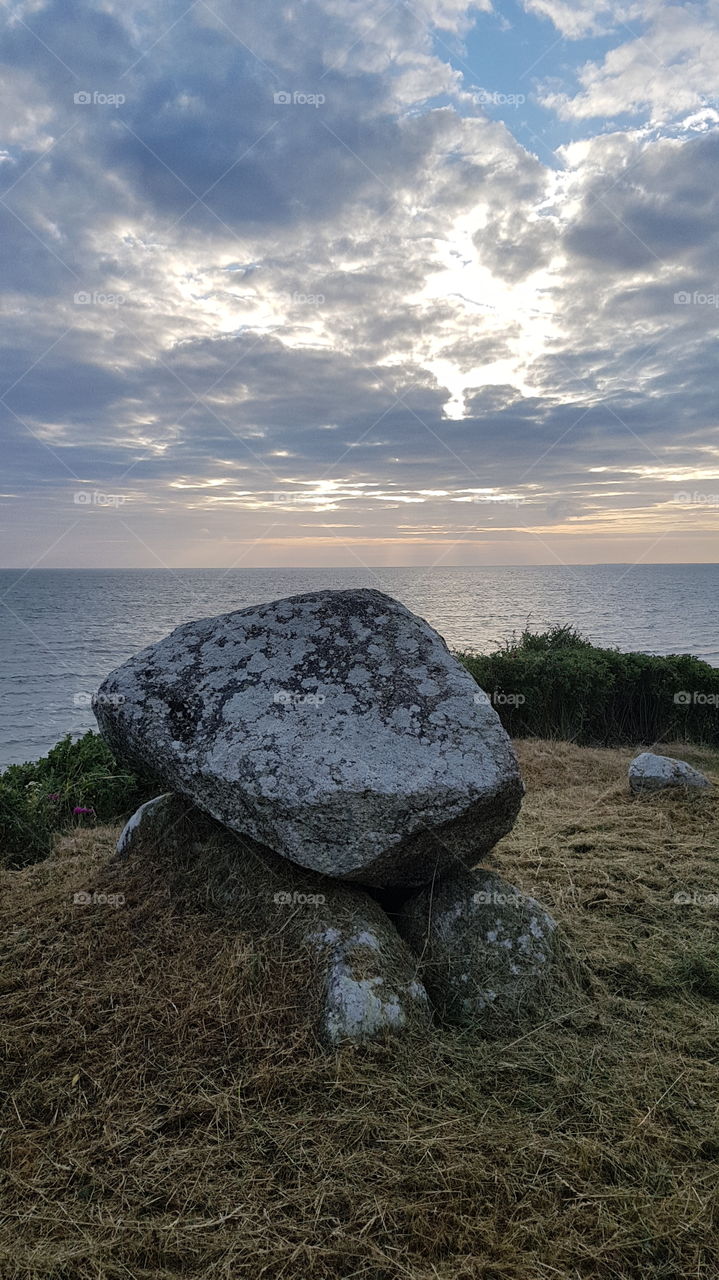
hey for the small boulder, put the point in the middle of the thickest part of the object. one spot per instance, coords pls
(369, 978)
(144, 822)
(649, 772)
(486, 950)
(363, 976)
(335, 728)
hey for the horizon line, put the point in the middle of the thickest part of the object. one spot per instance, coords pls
(292, 568)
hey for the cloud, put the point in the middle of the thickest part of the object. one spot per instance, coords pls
(363, 298)
(667, 68)
(587, 17)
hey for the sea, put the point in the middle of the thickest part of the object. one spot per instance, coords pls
(63, 630)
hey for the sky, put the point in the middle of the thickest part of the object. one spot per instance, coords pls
(350, 282)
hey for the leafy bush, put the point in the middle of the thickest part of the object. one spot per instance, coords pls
(76, 784)
(555, 684)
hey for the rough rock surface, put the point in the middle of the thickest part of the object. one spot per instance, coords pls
(648, 772)
(363, 976)
(486, 950)
(334, 727)
(369, 985)
(142, 822)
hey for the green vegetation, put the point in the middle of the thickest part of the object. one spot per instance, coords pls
(78, 784)
(555, 684)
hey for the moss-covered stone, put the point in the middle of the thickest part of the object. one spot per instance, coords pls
(486, 951)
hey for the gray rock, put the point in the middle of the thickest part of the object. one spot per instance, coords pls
(363, 976)
(648, 772)
(335, 728)
(486, 950)
(142, 824)
(369, 981)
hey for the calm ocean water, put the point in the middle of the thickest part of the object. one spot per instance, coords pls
(62, 630)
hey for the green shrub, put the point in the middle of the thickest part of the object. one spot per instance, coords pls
(76, 784)
(555, 684)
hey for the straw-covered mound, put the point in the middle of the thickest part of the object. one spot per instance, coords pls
(167, 1112)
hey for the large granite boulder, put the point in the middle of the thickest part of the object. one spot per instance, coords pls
(487, 952)
(335, 728)
(649, 772)
(363, 980)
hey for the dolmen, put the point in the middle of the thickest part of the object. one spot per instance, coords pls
(327, 756)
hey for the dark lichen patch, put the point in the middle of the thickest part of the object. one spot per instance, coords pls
(183, 712)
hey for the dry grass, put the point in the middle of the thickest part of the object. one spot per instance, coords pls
(166, 1111)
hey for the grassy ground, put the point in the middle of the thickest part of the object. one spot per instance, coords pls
(166, 1112)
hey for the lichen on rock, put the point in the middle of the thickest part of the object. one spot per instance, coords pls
(649, 772)
(486, 950)
(335, 728)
